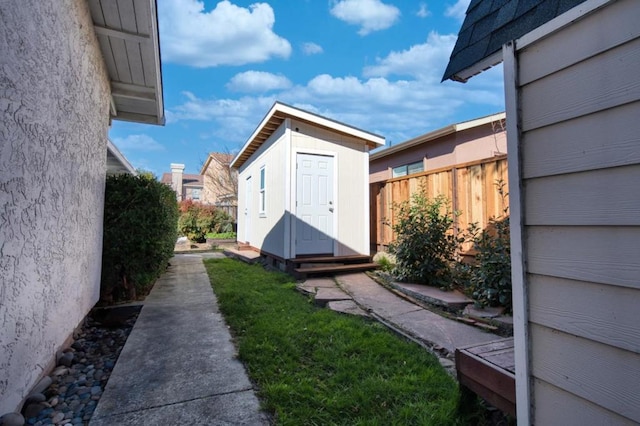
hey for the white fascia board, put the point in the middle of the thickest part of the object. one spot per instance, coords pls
(480, 66)
(115, 152)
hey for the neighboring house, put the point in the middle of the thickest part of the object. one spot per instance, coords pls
(186, 186)
(573, 123)
(304, 186)
(459, 143)
(67, 67)
(220, 182)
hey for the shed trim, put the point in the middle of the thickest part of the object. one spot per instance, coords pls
(276, 116)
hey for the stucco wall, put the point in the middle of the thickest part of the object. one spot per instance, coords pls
(54, 109)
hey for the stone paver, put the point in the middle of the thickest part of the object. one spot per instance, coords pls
(179, 364)
(414, 320)
(326, 295)
(448, 299)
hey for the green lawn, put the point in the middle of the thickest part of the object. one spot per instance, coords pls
(317, 367)
(221, 235)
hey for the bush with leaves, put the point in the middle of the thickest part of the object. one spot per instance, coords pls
(425, 247)
(197, 220)
(489, 276)
(140, 217)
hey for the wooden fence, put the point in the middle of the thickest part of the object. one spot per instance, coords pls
(471, 188)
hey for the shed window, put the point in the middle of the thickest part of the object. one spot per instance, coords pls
(263, 191)
(408, 169)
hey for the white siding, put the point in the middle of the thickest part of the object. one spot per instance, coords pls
(352, 202)
(267, 230)
(579, 96)
(54, 112)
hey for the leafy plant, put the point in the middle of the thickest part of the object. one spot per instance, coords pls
(140, 216)
(197, 220)
(424, 247)
(490, 275)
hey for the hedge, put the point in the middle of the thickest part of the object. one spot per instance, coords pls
(140, 231)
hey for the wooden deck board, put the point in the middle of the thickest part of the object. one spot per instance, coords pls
(489, 371)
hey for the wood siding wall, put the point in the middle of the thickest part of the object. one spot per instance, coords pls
(580, 187)
(470, 187)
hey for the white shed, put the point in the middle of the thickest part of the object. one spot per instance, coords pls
(303, 186)
(573, 128)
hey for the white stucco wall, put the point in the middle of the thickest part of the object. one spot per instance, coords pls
(54, 111)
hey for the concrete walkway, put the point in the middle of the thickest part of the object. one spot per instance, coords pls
(179, 364)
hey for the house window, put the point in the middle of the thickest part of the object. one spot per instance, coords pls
(263, 192)
(195, 194)
(407, 169)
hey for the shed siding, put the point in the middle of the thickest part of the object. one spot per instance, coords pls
(54, 118)
(580, 153)
(267, 230)
(351, 202)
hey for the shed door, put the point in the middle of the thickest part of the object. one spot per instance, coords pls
(247, 210)
(314, 204)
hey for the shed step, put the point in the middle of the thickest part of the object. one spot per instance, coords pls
(356, 258)
(355, 267)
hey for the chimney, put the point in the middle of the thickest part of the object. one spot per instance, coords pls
(176, 179)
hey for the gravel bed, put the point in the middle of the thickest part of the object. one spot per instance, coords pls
(83, 369)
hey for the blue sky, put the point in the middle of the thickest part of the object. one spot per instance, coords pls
(373, 64)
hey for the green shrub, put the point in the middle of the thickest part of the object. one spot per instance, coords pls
(140, 217)
(197, 220)
(489, 276)
(424, 247)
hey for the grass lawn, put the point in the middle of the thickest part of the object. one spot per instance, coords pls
(221, 235)
(317, 367)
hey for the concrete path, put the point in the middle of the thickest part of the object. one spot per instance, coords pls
(420, 323)
(179, 364)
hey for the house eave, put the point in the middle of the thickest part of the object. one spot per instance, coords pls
(480, 66)
(279, 112)
(128, 37)
(116, 162)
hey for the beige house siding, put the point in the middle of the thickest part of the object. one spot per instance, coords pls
(579, 145)
(54, 118)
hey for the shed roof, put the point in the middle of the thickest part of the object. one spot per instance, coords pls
(436, 134)
(127, 32)
(279, 112)
(489, 24)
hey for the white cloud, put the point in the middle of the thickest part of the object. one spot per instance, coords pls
(457, 10)
(421, 61)
(258, 82)
(370, 15)
(423, 11)
(226, 35)
(311, 49)
(138, 143)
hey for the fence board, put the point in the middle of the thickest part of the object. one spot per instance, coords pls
(470, 187)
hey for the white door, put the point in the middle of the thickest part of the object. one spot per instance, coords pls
(247, 210)
(314, 204)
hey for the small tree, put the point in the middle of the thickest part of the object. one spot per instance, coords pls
(197, 220)
(490, 274)
(424, 247)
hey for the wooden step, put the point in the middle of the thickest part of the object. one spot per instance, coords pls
(355, 258)
(354, 267)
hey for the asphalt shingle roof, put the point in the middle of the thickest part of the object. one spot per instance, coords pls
(489, 24)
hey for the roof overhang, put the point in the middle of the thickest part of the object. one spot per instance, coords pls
(116, 162)
(279, 112)
(127, 33)
(437, 134)
(480, 66)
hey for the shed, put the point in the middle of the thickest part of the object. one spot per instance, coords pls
(303, 186)
(573, 135)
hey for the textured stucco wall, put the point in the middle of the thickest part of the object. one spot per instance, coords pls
(53, 134)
